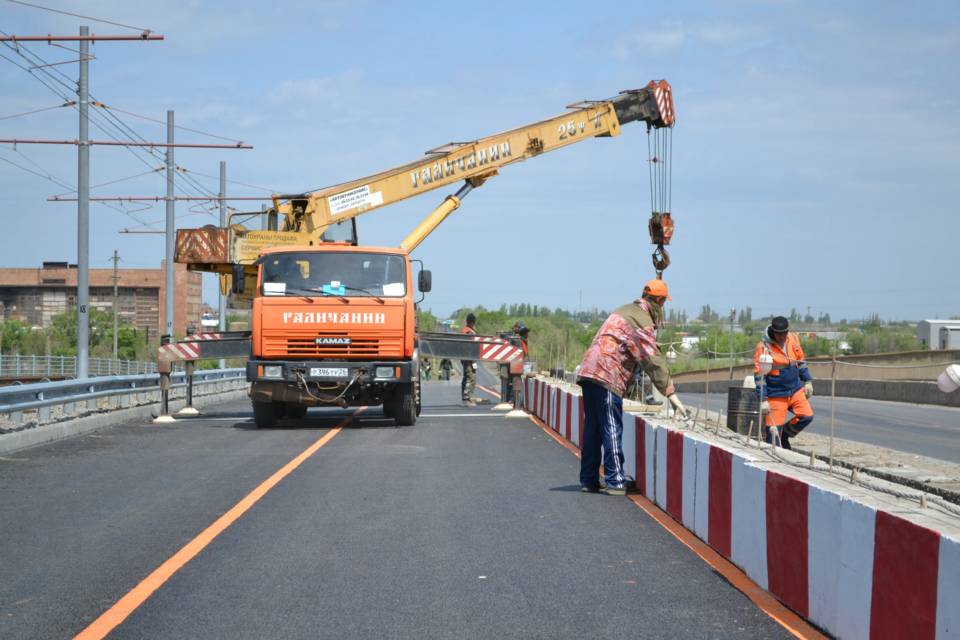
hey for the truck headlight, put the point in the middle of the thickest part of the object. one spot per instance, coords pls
(273, 371)
(383, 372)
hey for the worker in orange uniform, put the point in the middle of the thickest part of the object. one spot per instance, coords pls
(788, 385)
(623, 342)
(469, 382)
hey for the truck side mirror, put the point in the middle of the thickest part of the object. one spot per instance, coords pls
(239, 279)
(425, 282)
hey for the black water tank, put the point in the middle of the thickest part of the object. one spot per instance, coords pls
(742, 407)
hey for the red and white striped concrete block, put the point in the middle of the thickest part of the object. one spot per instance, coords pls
(853, 569)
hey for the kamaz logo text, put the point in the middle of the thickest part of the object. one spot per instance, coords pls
(332, 317)
(451, 167)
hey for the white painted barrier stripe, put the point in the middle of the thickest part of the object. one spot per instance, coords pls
(840, 548)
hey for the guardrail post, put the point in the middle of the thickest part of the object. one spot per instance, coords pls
(188, 367)
(164, 372)
(164, 416)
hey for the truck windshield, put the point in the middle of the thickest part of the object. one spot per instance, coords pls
(336, 273)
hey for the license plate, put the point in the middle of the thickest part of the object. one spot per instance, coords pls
(329, 372)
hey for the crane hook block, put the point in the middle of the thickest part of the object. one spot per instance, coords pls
(661, 228)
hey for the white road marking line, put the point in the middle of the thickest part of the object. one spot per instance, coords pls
(461, 415)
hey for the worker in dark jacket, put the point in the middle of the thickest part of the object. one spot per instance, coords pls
(520, 328)
(469, 382)
(788, 385)
(624, 341)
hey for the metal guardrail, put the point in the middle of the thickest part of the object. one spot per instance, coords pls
(19, 398)
(17, 366)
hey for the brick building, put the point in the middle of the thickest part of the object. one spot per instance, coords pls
(35, 296)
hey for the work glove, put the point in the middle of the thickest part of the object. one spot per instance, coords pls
(678, 406)
(808, 388)
(474, 365)
(764, 407)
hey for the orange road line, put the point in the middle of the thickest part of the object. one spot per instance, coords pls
(121, 610)
(490, 391)
(760, 597)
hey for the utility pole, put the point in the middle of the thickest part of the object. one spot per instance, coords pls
(170, 230)
(83, 211)
(223, 224)
(116, 301)
(733, 316)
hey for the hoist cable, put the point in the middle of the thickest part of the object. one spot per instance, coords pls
(650, 170)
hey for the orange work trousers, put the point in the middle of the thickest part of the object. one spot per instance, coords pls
(796, 404)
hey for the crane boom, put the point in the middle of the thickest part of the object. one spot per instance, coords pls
(477, 160)
(307, 217)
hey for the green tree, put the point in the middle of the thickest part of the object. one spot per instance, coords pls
(12, 335)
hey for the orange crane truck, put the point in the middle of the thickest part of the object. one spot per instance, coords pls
(333, 321)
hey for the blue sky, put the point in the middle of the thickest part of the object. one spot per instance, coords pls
(816, 154)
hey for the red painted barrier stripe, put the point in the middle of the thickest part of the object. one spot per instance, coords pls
(905, 560)
(786, 502)
(675, 474)
(720, 501)
(641, 454)
(566, 427)
(536, 396)
(556, 412)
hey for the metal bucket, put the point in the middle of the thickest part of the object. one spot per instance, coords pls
(742, 407)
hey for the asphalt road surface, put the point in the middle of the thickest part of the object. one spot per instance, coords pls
(925, 430)
(467, 525)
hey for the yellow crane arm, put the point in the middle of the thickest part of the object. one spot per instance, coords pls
(473, 162)
(306, 217)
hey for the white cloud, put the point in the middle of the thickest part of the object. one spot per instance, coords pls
(673, 36)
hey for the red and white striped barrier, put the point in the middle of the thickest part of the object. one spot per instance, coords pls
(848, 562)
(179, 351)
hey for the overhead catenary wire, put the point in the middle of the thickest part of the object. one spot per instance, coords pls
(118, 180)
(46, 175)
(104, 125)
(27, 113)
(77, 15)
(50, 80)
(176, 126)
(237, 182)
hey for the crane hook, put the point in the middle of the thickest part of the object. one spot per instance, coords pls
(661, 260)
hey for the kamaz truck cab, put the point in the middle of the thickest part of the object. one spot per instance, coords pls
(334, 325)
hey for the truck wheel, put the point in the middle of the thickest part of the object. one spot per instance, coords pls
(418, 395)
(296, 411)
(265, 414)
(404, 409)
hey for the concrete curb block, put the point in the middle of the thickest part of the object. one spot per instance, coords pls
(854, 562)
(51, 432)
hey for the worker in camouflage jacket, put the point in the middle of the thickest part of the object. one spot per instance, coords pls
(624, 341)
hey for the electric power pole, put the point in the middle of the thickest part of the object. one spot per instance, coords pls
(83, 211)
(116, 301)
(223, 224)
(171, 231)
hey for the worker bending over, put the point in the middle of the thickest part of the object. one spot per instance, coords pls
(787, 386)
(624, 341)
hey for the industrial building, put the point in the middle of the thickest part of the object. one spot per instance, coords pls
(36, 296)
(939, 334)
